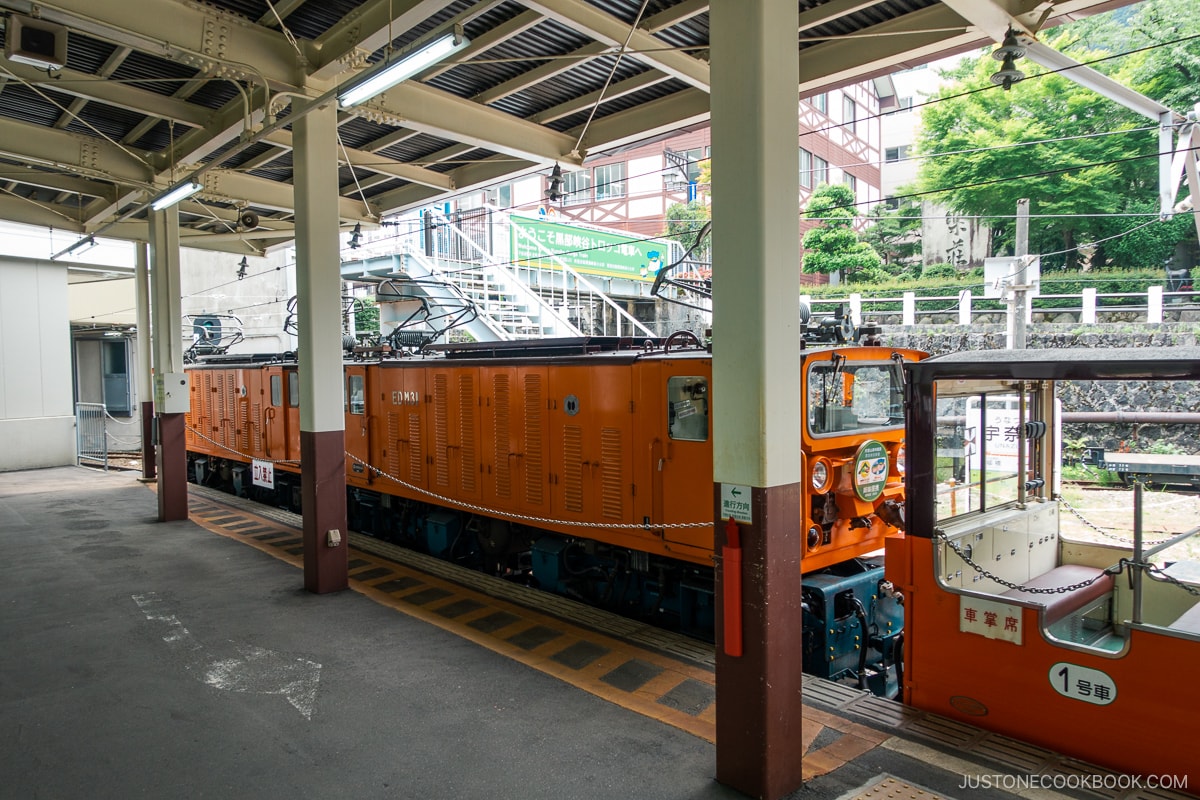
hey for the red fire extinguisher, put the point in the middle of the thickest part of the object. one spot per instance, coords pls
(731, 555)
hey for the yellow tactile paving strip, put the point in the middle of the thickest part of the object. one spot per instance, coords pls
(646, 680)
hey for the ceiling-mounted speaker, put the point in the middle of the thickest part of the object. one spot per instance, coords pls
(248, 219)
(36, 42)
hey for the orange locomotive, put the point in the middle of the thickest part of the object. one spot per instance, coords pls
(582, 465)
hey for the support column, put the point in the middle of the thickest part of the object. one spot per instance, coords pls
(756, 382)
(145, 385)
(170, 384)
(319, 307)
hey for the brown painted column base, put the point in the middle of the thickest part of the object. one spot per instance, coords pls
(172, 473)
(323, 503)
(759, 710)
(149, 465)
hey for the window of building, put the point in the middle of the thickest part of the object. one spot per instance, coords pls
(820, 171)
(852, 182)
(820, 102)
(850, 114)
(500, 196)
(610, 181)
(806, 169)
(892, 202)
(577, 187)
(895, 153)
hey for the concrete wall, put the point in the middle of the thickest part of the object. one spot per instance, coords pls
(37, 416)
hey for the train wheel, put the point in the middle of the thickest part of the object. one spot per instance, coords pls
(494, 536)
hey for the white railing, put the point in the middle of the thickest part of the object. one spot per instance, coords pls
(1089, 307)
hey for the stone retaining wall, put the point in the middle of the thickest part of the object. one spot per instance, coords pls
(1148, 396)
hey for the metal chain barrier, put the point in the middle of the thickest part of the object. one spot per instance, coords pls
(526, 517)
(1116, 569)
(246, 456)
(471, 506)
(1157, 573)
(1100, 530)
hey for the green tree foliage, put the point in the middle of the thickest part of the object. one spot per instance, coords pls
(685, 220)
(833, 245)
(1100, 166)
(895, 234)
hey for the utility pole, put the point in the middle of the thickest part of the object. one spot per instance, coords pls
(1020, 288)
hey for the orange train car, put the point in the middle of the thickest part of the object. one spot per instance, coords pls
(584, 466)
(1073, 637)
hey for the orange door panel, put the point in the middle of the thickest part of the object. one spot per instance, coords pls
(452, 425)
(682, 468)
(513, 440)
(401, 450)
(274, 416)
(358, 439)
(291, 415)
(590, 443)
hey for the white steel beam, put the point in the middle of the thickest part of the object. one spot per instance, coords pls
(377, 163)
(608, 29)
(189, 33)
(669, 113)
(544, 72)
(827, 12)
(366, 30)
(674, 15)
(45, 215)
(486, 41)
(236, 187)
(433, 111)
(72, 153)
(121, 95)
(618, 89)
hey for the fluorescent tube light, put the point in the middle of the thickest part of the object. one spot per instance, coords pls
(175, 195)
(403, 69)
(82, 246)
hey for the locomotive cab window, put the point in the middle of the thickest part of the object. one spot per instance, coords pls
(355, 396)
(276, 390)
(293, 381)
(687, 408)
(845, 396)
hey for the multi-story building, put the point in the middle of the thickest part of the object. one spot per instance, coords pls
(946, 237)
(631, 189)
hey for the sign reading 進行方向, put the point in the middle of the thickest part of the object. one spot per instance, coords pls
(548, 245)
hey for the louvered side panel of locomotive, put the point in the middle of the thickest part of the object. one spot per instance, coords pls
(452, 430)
(590, 423)
(399, 403)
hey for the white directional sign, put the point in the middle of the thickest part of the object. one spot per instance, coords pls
(735, 502)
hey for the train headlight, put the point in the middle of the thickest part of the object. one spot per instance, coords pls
(900, 459)
(821, 474)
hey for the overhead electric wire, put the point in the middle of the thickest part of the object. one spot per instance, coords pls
(1044, 173)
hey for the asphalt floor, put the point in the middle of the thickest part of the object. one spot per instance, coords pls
(141, 659)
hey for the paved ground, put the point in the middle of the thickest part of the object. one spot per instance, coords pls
(154, 660)
(158, 660)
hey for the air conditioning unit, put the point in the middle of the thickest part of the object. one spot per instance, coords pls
(36, 42)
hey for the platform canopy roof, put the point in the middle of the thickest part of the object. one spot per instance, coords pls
(155, 91)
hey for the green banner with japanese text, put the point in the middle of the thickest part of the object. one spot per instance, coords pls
(549, 245)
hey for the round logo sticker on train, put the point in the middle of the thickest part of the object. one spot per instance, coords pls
(870, 470)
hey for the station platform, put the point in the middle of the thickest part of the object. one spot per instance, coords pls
(184, 659)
